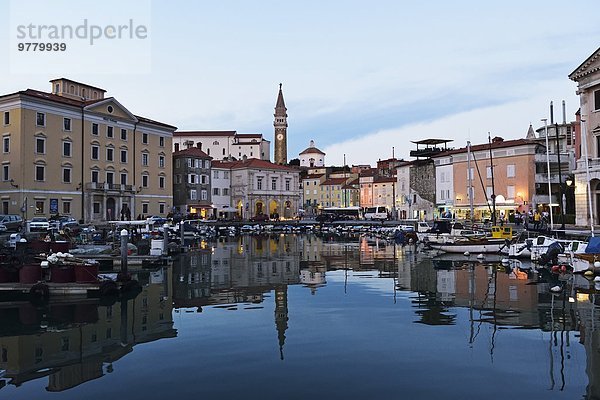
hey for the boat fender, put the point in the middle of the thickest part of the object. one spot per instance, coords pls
(588, 273)
(596, 264)
(467, 254)
(563, 269)
(597, 279)
(555, 289)
(40, 290)
(555, 269)
(480, 256)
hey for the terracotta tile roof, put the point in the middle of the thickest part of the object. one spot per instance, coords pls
(384, 179)
(334, 181)
(76, 103)
(314, 176)
(79, 83)
(312, 150)
(368, 172)
(204, 133)
(254, 163)
(250, 135)
(192, 152)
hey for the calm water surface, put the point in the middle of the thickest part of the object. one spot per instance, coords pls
(299, 317)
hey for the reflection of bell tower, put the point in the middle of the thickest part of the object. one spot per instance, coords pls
(280, 124)
(281, 315)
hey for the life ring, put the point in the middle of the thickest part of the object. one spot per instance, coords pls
(40, 291)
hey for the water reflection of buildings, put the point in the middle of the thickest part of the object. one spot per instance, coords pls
(72, 343)
(239, 271)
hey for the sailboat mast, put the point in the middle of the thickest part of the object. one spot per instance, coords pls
(493, 196)
(470, 181)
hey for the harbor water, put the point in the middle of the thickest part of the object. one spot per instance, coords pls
(306, 316)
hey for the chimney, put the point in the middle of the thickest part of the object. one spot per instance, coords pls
(551, 113)
(199, 145)
(188, 144)
(244, 158)
(564, 113)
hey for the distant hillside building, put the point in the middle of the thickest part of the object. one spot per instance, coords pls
(312, 157)
(224, 145)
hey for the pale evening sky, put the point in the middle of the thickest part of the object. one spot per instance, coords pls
(358, 77)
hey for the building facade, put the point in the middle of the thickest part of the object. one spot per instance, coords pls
(259, 187)
(192, 182)
(224, 145)
(587, 172)
(75, 152)
(221, 190)
(311, 157)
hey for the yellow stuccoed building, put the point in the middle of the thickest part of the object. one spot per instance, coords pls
(75, 152)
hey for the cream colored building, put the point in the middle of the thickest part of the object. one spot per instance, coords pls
(224, 145)
(76, 152)
(587, 76)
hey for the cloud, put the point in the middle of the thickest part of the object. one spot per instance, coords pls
(509, 120)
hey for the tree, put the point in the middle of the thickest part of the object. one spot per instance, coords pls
(294, 162)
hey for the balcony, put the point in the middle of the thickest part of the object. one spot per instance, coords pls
(108, 187)
(543, 178)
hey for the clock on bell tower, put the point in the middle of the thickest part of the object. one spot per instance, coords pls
(280, 124)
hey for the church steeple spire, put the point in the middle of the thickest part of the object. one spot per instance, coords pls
(280, 124)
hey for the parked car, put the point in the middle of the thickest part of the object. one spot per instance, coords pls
(259, 218)
(12, 222)
(38, 224)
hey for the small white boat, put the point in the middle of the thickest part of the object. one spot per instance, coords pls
(470, 245)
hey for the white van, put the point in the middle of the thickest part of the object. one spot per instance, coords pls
(376, 213)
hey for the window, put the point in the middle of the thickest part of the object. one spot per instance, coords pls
(510, 192)
(274, 184)
(161, 210)
(287, 184)
(66, 207)
(40, 172)
(259, 183)
(66, 175)
(6, 144)
(510, 171)
(204, 179)
(215, 174)
(123, 156)
(177, 163)
(40, 119)
(95, 129)
(192, 178)
(109, 154)
(161, 161)
(39, 206)
(145, 159)
(178, 179)
(144, 208)
(161, 182)
(40, 145)
(161, 141)
(6, 173)
(597, 100)
(123, 134)
(225, 191)
(489, 192)
(204, 194)
(66, 149)
(95, 176)
(225, 174)
(109, 131)
(144, 138)
(96, 207)
(145, 181)
(193, 194)
(5, 207)
(215, 191)
(123, 179)
(67, 124)
(197, 163)
(95, 152)
(6, 118)
(110, 178)
(488, 171)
